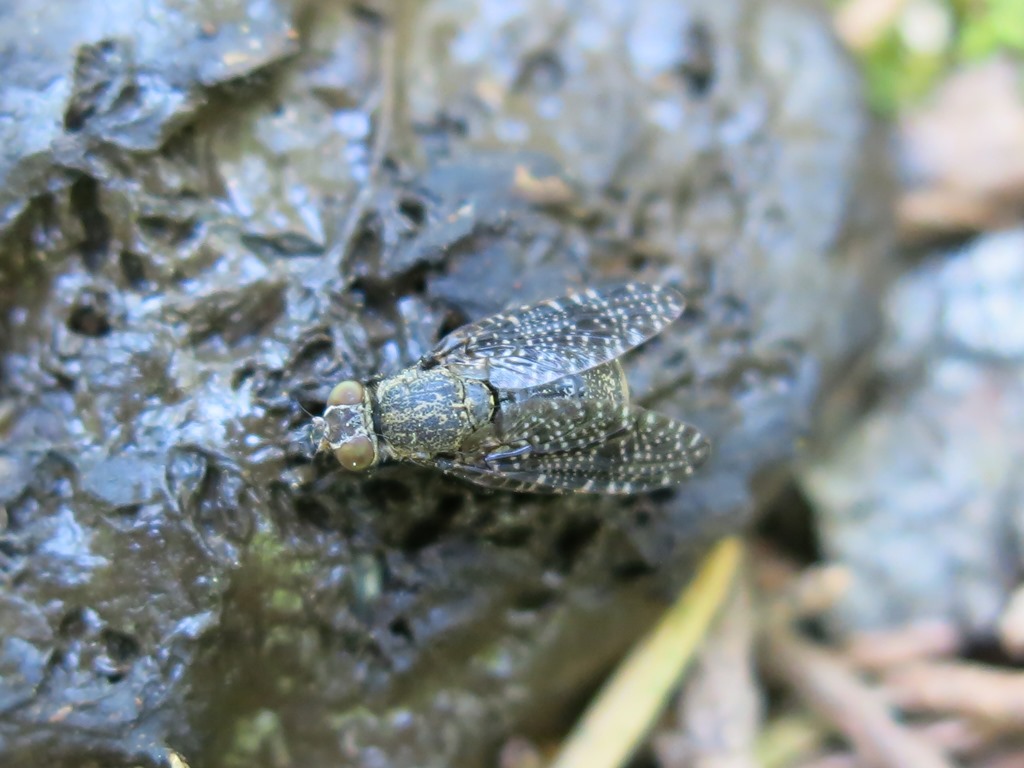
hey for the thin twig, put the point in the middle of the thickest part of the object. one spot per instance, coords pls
(832, 690)
(637, 693)
(993, 696)
(720, 704)
(883, 649)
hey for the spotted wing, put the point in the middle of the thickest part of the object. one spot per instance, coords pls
(538, 343)
(589, 447)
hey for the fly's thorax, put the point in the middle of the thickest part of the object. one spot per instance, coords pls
(424, 412)
(346, 428)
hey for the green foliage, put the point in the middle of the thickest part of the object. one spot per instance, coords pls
(991, 26)
(896, 75)
(898, 72)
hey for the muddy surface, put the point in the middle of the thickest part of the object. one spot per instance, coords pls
(211, 215)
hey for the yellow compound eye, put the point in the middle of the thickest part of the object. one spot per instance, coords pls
(346, 393)
(356, 454)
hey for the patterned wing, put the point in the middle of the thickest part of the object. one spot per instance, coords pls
(587, 447)
(538, 343)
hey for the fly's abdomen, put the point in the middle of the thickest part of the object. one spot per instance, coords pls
(605, 382)
(427, 412)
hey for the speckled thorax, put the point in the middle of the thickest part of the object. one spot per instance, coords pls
(422, 413)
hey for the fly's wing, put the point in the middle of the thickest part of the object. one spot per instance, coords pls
(538, 343)
(561, 445)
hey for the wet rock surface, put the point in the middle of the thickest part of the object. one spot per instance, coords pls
(211, 215)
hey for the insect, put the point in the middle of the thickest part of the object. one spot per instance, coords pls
(533, 399)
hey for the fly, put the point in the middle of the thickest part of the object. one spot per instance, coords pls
(532, 399)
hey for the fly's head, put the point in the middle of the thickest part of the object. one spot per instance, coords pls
(346, 428)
